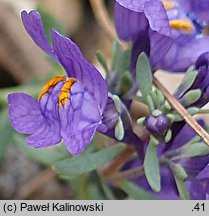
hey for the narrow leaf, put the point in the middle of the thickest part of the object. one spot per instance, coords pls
(178, 171)
(74, 167)
(124, 83)
(190, 97)
(121, 59)
(144, 74)
(102, 61)
(182, 189)
(194, 149)
(119, 130)
(136, 192)
(44, 156)
(186, 83)
(150, 103)
(152, 166)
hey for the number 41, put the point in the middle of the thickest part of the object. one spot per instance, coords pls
(199, 207)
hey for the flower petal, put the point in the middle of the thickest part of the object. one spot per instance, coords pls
(196, 189)
(146, 24)
(198, 7)
(80, 117)
(77, 66)
(110, 115)
(129, 23)
(159, 33)
(204, 174)
(184, 135)
(24, 112)
(34, 26)
(49, 132)
(184, 52)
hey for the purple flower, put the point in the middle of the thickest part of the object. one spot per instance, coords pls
(196, 168)
(201, 81)
(145, 23)
(172, 33)
(69, 108)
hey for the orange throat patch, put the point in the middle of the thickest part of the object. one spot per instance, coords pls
(65, 92)
(50, 84)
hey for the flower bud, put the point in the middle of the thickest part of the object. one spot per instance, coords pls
(158, 125)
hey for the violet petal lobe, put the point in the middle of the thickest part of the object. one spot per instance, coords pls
(183, 136)
(34, 26)
(77, 66)
(24, 112)
(204, 174)
(129, 23)
(184, 52)
(49, 132)
(80, 117)
(196, 189)
(160, 32)
(110, 114)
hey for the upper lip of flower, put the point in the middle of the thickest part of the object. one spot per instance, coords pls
(68, 55)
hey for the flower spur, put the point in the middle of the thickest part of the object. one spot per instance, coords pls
(68, 108)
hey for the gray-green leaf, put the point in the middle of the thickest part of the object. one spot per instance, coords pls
(74, 167)
(44, 156)
(187, 82)
(136, 192)
(182, 189)
(190, 97)
(119, 130)
(152, 166)
(144, 74)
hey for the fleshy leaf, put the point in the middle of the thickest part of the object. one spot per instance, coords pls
(178, 171)
(144, 74)
(191, 97)
(187, 82)
(135, 192)
(119, 130)
(72, 168)
(152, 166)
(182, 189)
(194, 149)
